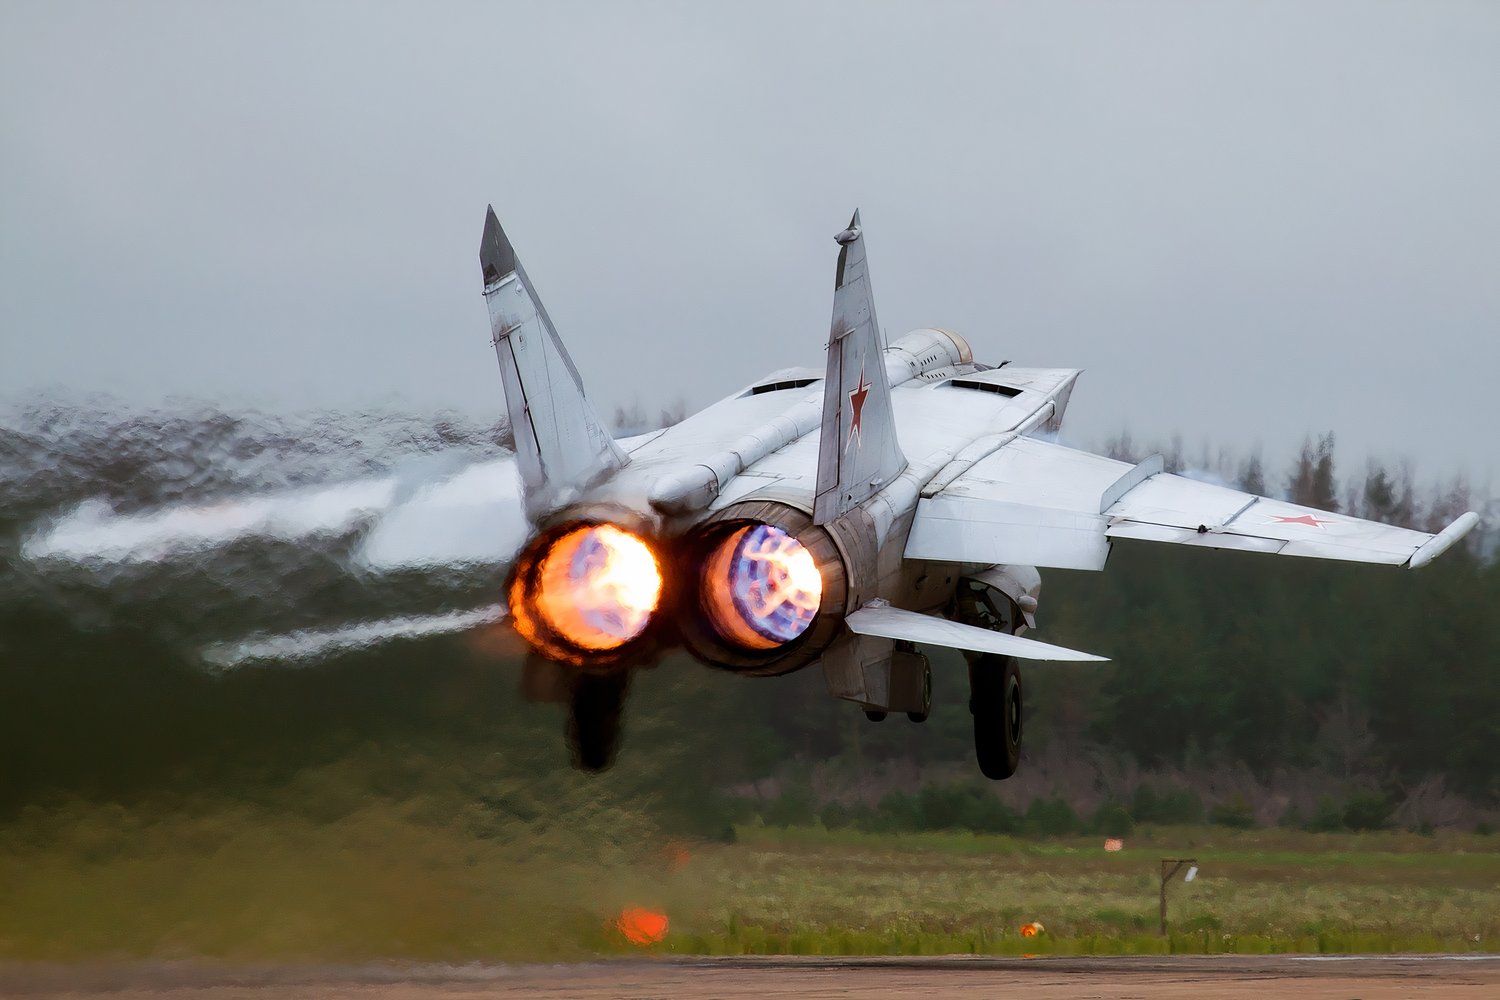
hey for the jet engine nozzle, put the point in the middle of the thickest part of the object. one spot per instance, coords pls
(586, 590)
(764, 589)
(761, 586)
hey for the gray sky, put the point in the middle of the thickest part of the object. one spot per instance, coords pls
(1247, 221)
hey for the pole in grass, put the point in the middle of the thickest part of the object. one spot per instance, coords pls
(1169, 869)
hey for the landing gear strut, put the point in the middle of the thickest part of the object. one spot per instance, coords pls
(594, 718)
(921, 677)
(908, 686)
(995, 703)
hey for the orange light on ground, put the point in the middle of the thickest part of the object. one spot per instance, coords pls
(598, 586)
(1032, 929)
(641, 926)
(1114, 844)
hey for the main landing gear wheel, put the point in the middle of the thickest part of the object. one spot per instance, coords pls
(995, 703)
(594, 718)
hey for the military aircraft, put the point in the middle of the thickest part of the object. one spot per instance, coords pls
(906, 495)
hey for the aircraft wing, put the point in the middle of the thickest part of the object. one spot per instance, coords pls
(1042, 504)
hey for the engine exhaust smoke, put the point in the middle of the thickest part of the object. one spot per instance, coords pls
(310, 645)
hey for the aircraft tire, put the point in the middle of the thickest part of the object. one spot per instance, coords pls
(875, 715)
(594, 719)
(995, 700)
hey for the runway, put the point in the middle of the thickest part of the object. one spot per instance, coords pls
(1231, 976)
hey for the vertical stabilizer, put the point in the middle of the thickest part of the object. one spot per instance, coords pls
(561, 446)
(858, 454)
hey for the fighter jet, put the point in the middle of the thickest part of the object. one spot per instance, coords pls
(904, 496)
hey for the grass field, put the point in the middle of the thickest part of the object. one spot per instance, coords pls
(416, 881)
(811, 891)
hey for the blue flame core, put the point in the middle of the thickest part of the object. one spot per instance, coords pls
(753, 586)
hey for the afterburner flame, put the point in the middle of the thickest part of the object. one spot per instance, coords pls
(763, 587)
(597, 587)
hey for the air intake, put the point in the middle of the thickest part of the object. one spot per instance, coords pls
(1008, 391)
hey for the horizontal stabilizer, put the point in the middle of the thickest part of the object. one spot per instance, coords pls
(887, 622)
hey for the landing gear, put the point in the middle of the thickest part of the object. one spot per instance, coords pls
(995, 703)
(594, 718)
(921, 714)
(908, 686)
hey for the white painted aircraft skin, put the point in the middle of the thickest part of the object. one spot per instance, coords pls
(1019, 502)
(923, 457)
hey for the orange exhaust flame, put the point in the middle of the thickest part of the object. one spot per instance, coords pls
(597, 587)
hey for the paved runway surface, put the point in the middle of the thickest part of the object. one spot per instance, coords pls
(1233, 976)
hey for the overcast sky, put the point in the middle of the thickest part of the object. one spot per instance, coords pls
(1246, 221)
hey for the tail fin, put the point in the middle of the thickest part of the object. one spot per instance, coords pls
(561, 446)
(858, 454)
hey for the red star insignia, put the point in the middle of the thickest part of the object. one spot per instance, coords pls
(1307, 519)
(857, 397)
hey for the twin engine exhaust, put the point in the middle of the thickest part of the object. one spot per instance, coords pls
(757, 588)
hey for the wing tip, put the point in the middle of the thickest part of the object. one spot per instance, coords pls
(1443, 540)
